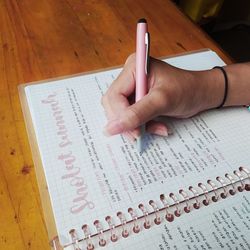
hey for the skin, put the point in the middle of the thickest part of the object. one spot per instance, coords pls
(172, 92)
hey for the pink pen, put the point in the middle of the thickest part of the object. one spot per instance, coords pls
(142, 56)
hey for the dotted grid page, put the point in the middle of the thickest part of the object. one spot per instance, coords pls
(91, 176)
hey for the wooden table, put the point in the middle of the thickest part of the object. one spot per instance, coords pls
(50, 38)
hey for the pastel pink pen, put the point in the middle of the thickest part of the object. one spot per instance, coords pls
(142, 55)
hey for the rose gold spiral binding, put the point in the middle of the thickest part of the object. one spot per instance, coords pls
(55, 243)
(187, 208)
(241, 178)
(196, 205)
(177, 211)
(223, 195)
(102, 241)
(146, 223)
(87, 235)
(246, 171)
(186, 202)
(125, 232)
(215, 197)
(113, 236)
(232, 182)
(157, 219)
(205, 192)
(75, 239)
(136, 227)
(169, 217)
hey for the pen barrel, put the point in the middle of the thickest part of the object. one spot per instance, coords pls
(141, 60)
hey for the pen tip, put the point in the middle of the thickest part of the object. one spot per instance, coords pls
(142, 20)
(140, 144)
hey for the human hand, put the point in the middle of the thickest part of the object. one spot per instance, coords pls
(172, 92)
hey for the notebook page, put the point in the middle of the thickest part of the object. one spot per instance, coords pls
(91, 176)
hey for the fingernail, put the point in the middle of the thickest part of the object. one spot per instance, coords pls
(105, 132)
(170, 131)
(135, 134)
(161, 131)
(129, 136)
(112, 128)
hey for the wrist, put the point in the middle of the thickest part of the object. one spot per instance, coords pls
(212, 88)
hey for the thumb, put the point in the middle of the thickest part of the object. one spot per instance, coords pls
(135, 115)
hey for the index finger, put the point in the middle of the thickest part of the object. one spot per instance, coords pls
(115, 99)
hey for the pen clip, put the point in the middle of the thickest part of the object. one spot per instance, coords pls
(147, 43)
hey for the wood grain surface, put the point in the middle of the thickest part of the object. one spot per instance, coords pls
(51, 38)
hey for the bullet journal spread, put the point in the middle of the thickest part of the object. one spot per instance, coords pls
(185, 191)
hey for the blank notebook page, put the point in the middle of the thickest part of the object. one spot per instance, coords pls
(90, 176)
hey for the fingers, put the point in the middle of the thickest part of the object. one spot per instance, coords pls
(115, 99)
(125, 118)
(158, 128)
(137, 114)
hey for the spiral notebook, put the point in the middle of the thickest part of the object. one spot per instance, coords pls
(186, 191)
